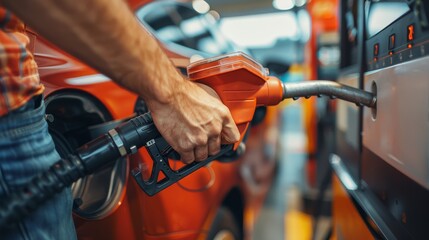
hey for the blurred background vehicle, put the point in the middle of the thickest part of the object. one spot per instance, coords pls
(220, 201)
(183, 30)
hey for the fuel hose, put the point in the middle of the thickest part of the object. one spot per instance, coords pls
(123, 140)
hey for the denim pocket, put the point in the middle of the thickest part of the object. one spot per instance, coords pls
(27, 149)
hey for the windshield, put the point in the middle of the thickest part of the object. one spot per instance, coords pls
(180, 24)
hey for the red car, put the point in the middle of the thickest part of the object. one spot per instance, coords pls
(219, 201)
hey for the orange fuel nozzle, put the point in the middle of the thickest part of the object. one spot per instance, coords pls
(243, 84)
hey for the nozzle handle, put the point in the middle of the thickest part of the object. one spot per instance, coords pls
(154, 185)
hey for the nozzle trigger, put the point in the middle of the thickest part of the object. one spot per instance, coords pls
(161, 164)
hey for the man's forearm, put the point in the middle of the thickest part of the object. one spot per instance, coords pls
(105, 35)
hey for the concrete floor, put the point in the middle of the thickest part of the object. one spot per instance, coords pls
(283, 215)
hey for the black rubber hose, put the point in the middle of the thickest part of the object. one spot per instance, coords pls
(42, 187)
(90, 157)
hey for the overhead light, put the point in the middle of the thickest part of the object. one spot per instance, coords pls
(283, 4)
(300, 3)
(201, 6)
(246, 31)
(215, 15)
(304, 22)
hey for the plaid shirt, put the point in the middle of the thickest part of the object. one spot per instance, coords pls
(19, 79)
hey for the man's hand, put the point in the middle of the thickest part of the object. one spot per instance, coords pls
(194, 122)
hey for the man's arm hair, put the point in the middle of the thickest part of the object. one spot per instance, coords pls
(106, 36)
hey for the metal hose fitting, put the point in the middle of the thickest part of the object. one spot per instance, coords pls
(331, 89)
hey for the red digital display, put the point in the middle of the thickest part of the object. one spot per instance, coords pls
(410, 32)
(376, 49)
(392, 40)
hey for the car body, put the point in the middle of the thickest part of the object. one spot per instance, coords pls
(221, 199)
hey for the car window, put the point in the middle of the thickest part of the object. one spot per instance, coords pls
(180, 24)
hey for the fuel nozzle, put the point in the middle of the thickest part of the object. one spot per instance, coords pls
(243, 84)
(238, 79)
(331, 89)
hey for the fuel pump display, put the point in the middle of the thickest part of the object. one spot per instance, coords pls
(381, 159)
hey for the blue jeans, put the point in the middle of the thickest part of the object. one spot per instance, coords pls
(26, 149)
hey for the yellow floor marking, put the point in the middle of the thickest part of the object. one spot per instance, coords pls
(298, 225)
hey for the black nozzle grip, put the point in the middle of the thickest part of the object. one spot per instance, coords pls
(130, 136)
(137, 132)
(161, 164)
(141, 131)
(123, 140)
